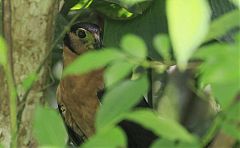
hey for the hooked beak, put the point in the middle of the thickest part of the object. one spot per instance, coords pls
(98, 42)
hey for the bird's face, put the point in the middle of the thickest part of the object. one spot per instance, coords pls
(83, 37)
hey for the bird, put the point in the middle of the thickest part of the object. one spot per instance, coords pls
(79, 96)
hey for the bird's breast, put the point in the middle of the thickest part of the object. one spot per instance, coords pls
(79, 96)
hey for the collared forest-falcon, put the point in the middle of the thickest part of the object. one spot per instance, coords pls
(78, 96)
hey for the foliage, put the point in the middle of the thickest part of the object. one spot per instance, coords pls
(219, 70)
(49, 128)
(187, 34)
(135, 31)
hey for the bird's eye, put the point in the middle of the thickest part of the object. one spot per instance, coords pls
(81, 33)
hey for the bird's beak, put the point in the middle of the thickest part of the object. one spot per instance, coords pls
(98, 42)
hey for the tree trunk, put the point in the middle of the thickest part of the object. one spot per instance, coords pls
(28, 27)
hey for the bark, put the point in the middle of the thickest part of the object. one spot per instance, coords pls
(31, 30)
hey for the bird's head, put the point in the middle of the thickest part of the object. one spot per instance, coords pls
(83, 37)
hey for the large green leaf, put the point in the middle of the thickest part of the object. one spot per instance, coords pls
(110, 138)
(92, 60)
(188, 25)
(134, 46)
(116, 72)
(119, 100)
(219, 27)
(48, 128)
(3, 52)
(163, 127)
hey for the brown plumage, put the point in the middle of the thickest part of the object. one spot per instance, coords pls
(77, 94)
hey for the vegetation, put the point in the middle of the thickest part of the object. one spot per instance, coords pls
(191, 55)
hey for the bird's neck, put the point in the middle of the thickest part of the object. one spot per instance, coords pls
(68, 56)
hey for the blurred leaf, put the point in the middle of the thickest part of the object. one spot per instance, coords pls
(116, 72)
(110, 138)
(161, 43)
(134, 46)
(146, 26)
(163, 127)
(220, 69)
(188, 24)
(219, 27)
(29, 80)
(119, 100)
(3, 52)
(1, 146)
(92, 60)
(48, 128)
(236, 2)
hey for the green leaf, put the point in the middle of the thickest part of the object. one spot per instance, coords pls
(219, 27)
(29, 80)
(110, 138)
(220, 70)
(161, 43)
(116, 72)
(162, 127)
(48, 128)
(119, 100)
(92, 60)
(134, 46)
(3, 52)
(188, 24)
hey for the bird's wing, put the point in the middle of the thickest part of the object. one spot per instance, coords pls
(75, 138)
